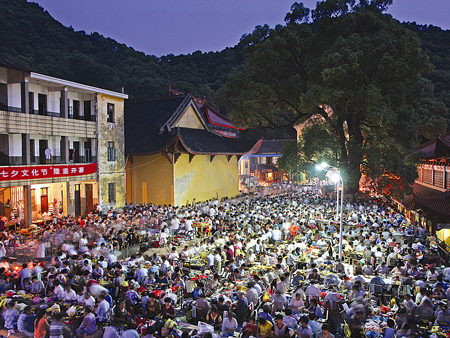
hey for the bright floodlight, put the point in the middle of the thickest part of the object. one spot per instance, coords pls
(324, 165)
(333, 176)
(319, 167)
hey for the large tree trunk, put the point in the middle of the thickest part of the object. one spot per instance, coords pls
(351, 174)
(352, 165)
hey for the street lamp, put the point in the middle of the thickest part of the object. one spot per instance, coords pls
(337, 177)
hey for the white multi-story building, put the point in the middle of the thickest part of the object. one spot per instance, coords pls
(61, 145)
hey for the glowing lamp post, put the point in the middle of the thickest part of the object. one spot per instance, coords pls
(336, 177)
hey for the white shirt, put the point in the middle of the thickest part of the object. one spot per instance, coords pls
(210, 259)
(296, 303)
(59, 291)
(276, 235)
(90, 301)
(70, 296)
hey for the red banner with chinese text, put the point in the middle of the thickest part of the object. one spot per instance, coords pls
(46, 171)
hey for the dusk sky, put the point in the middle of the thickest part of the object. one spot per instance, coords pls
(162, 27)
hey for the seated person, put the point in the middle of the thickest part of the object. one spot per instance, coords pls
(88, 326)
(37, 286)
(229, 325)
(167, 310)
(161, 281)
(304, 330)
(152, 307)
(438, 292)
(325, 331)
(131, 295)
(121, 313)
(264, 328)
(250, 329)
(198, 290)
(315, 308)
(296, 304)
(314, 277)
(280, 330)
(265, 313)
(214, 319)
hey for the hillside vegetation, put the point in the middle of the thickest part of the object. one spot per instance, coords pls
(29, 35)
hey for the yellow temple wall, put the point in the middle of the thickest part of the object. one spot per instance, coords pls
(203, 179)
(149, 180)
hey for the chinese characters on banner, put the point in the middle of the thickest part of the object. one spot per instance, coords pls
(46, 171)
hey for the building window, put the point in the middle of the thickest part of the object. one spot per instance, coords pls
(428, 176)
(112, 152)
(31, 102)
(110, 112)
(439, 178)
(42, 104)
(76, 109)
(111, 192)
(87, 110)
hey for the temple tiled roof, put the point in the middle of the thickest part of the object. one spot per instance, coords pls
(198, 141)
(147, 130)
(429, 200)
(272, 147)
(437, 148)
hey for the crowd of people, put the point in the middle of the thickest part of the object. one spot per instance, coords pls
(265, 267)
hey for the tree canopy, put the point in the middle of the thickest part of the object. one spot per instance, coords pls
(353, 79)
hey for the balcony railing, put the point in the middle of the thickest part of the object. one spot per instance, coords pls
(92, 118)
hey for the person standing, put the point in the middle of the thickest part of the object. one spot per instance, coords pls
(48, 155)
(40, 324)
(241, 308)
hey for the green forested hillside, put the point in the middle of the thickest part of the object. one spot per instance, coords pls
(436, 44)
(30, 36)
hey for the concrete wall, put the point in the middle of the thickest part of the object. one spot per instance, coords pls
(111, 171)
(203, 179)
(156, 172)
(14, 95)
